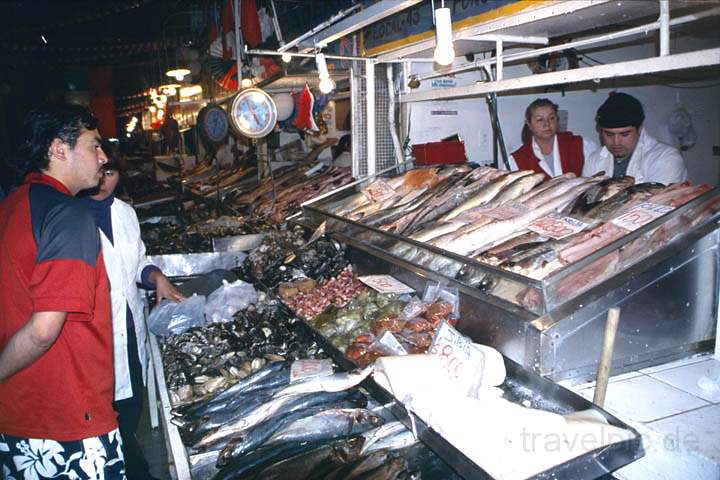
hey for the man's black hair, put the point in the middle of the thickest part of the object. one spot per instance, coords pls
(44, 124)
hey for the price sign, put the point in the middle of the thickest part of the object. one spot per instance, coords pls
(378, 191)
(389, 342)
(640, 215)
(385, 284)
(460, 359)
(505, 212)
(301, 369)
(557, 226)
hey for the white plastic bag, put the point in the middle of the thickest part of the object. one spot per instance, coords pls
(230, 298)
(172, 318)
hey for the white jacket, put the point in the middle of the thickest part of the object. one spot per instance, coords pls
(124, 261)
(588, 147)
(651, 161)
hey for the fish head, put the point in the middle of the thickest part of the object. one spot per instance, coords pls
(226, 454)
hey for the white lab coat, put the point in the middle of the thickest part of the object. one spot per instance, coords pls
(125, 260)
(651, 161)
(556, 170)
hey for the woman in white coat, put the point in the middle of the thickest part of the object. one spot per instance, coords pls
(127, 265)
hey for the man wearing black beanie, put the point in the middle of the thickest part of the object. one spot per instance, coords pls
(628, 149)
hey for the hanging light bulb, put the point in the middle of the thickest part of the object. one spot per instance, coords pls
(286, 57)
(326, 85)
(444, 51)
(247, 78)
(152, 109)
(321, 66)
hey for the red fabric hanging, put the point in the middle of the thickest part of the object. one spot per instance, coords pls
(250, 23)
(227, 21)
(304, 119)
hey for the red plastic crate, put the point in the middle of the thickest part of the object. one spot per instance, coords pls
(439, 152)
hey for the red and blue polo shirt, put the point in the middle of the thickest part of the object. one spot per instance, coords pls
(50, 261)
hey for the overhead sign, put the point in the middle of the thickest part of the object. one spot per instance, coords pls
(416, 23)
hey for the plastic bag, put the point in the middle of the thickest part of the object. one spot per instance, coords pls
(172, 318)
(227, 300)
(440, 291)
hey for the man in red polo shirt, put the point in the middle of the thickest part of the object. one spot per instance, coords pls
(56, 371)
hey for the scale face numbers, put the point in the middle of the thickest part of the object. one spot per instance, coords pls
(214, 124)
(253, 113)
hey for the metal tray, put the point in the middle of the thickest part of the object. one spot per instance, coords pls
(551, 291)
(519, 386)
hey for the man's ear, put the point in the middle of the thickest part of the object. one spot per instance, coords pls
(57, 149)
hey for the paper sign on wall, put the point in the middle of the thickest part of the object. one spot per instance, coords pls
(385, 284)
(640, 215)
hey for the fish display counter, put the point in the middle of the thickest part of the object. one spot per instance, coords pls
(539, 264)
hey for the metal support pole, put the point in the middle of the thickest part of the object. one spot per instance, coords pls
(664, 27)
(605, 363)
(370, 115)
(238, 61)
(499, 56)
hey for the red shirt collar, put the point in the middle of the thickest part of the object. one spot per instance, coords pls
(35, 177)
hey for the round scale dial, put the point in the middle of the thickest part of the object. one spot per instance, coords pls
(253, 113)
(213, 123)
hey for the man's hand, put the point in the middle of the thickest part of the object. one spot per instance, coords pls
(31, 342)
(164, 289)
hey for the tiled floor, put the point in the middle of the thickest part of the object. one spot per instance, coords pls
(676, 407)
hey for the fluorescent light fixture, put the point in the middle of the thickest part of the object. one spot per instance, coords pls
(178, 73)
(186, 92)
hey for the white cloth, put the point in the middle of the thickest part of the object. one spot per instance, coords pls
(556, 169)
(125, 260)
(652, 161)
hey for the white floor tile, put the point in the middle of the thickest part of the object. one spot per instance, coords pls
(700, 357)
(687, 378)
(645, 399)
(694, 432)
(616, 378)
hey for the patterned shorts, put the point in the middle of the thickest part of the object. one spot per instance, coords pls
(91, 458)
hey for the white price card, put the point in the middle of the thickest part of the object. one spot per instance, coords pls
(460, 359)
(391, 344)
(504, 212)
(385, 284)
(301, 369)
(378, 191)
(557, 226)
(640, 215)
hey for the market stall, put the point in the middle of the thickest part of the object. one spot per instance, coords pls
(200, 391)
(535, 306)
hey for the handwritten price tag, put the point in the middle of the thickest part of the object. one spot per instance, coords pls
(557, 226)
(378, 191)
(310, 368)
(385, 284)
(505, 212)
(460, 359)
(640, 215)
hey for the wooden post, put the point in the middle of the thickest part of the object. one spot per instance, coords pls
(605, 363)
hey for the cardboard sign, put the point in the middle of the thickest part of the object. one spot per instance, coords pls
(301, 369)
(459, 356)
(385, 284)
(557, 226)
(640, 215)
(378, 191)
